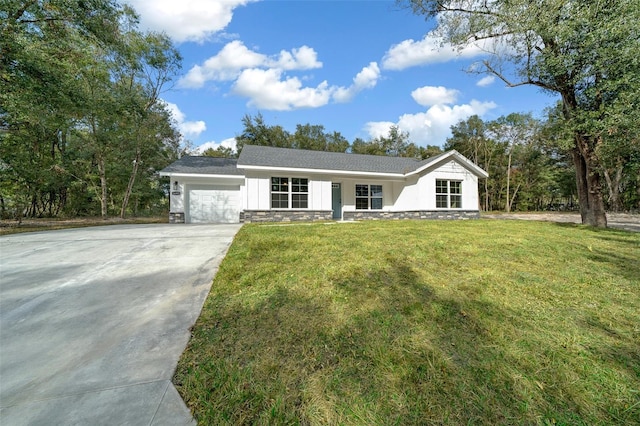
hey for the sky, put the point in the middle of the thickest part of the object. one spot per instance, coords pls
(356, 67)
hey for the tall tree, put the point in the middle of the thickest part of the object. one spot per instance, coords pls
(257, 132)
(395, 144)
(515, 131)
(470, 138)
(42, 47)
(149, 64)
(79, 103)
(586, 52)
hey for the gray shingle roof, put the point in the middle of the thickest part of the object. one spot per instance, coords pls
(204, 166)
(266, 156)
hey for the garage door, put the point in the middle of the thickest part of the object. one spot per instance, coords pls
(214, 204)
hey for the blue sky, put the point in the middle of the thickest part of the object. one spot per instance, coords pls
(356, 67)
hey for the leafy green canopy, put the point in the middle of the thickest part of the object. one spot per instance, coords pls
(79, 104)
(585, 51)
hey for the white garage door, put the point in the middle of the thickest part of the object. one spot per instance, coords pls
(214, 204)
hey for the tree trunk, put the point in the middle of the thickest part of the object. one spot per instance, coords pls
(132, 180)
(614, 187)
(103, 187)
(588, 182)
(508, 206)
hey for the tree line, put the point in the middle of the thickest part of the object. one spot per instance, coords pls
(82, 126)
(83, 130)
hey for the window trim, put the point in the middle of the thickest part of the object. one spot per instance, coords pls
(288, 182)
(448, 195)
(369, 197)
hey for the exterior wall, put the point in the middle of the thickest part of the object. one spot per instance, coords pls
(390, 190)
(423, 214)
(403, 198)
(416, 193)
(449, 171)
(176, 196)
(258, 190)
(255, 216)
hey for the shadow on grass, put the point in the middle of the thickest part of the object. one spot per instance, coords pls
(378, 346)
(626, 263)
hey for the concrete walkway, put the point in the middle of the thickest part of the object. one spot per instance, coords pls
(93, 321)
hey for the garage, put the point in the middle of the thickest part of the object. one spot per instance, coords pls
(204, 190)
(213, 204)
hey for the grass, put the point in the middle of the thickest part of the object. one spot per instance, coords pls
(425, 322)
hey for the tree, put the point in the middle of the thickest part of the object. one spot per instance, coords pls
(42, 48)
(584, 51)
(149, 64)
(257, 132)
(80, 117)
(395, 144)
(469, 137)
(220, 152)
(516, 131)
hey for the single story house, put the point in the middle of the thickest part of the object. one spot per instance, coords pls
(279, 184)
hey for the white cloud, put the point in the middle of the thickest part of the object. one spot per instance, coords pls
(431, 49)
(367, 78)
(225, 66)
(303, 58)
(227, 143)
(187, 20)
(187, 128)
(434, 95)
(235, 57)
(377, 129)
(268, 90)
(433, 126)
(486, 81)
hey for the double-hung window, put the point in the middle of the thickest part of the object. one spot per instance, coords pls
(289, 193)
(368, 197)
(448, 194)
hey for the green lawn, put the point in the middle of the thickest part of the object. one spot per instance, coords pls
(420, 322)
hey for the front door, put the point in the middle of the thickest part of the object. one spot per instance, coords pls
(336, 200)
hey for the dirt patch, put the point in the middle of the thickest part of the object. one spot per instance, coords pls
(44, 224)
(625, 221)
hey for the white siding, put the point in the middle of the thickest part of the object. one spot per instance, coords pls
(449, 171)
(258, 190)
(176, 197)
(389, 192)
(417, 192)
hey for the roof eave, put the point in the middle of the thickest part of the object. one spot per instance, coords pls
(207, 175)
(322, 171)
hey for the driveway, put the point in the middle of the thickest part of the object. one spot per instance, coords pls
(93, 321)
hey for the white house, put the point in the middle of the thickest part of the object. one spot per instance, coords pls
(280, 184)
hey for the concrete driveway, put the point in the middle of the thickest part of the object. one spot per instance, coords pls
(93, 321)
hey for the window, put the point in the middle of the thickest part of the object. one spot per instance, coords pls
(448, 194)
(368, 197)
(287, 192)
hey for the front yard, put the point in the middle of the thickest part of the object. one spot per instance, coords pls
(419, 322)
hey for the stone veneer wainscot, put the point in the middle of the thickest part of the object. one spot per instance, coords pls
(254, 216)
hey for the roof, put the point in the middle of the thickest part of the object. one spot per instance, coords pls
(203, 166)
(266, 156)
